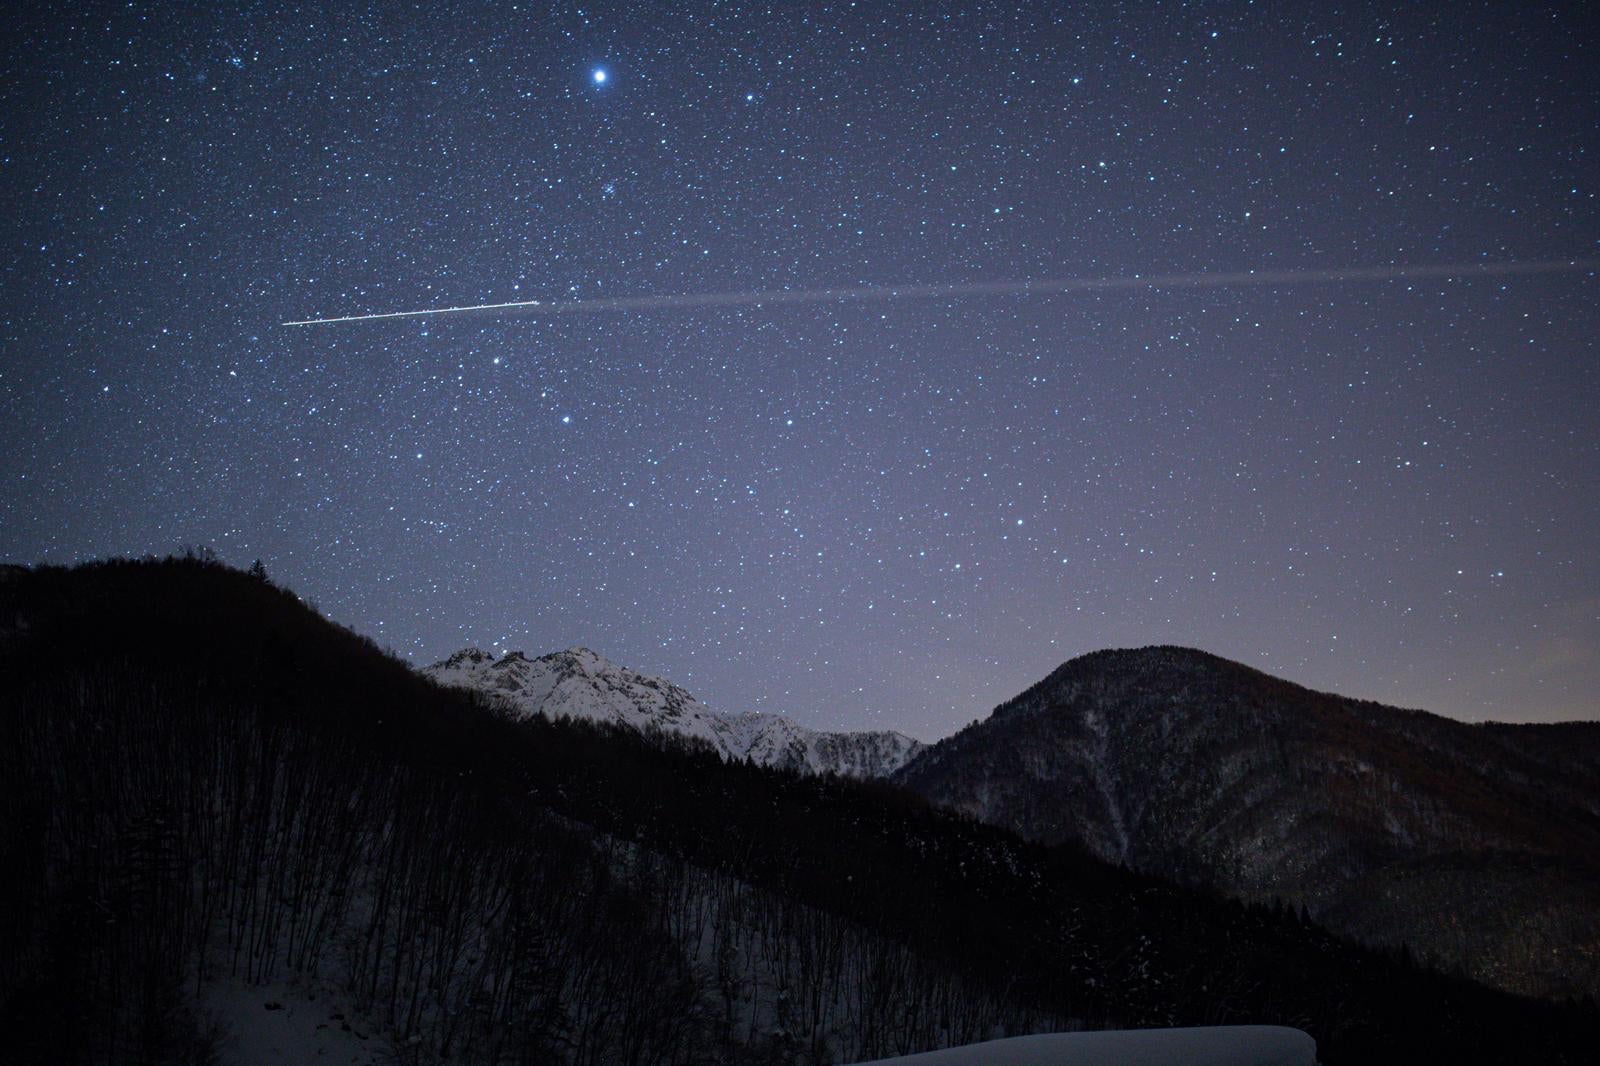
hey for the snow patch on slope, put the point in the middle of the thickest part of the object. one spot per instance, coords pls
(1223, 1045)
(1100, 774)
(289, 1021)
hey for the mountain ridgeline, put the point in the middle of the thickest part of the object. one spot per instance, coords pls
(580, 684)
(205, 786)
(1474, 846)
(1477, 847)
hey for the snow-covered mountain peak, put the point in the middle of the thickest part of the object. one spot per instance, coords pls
(465, 657)
(581, 683)
(584, 659)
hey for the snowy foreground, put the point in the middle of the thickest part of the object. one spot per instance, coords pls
(1223, 1045)
(296, 1021)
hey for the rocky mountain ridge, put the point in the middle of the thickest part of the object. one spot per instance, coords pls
(579, 683)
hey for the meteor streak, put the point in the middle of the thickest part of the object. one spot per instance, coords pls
(1050, 287)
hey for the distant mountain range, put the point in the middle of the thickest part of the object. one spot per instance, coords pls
(578, 683)
(1475, 846)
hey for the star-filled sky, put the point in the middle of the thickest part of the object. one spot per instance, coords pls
(865, 513)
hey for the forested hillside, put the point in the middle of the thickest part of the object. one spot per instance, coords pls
(1477, 847)
(203, 781)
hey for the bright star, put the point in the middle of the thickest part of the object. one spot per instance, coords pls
(599, 76)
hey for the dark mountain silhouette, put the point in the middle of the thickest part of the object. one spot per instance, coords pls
(1475, 846)
(203, 784)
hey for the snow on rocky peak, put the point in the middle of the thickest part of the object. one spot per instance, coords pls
(578, 683)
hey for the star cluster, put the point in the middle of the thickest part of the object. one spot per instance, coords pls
(889, 513)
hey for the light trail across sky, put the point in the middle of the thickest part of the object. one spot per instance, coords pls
(1049, 287)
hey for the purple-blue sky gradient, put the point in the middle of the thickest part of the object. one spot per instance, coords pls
(887, 512)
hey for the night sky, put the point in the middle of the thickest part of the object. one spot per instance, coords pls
(888, 512)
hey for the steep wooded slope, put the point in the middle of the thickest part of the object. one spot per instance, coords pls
(1477, 846)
